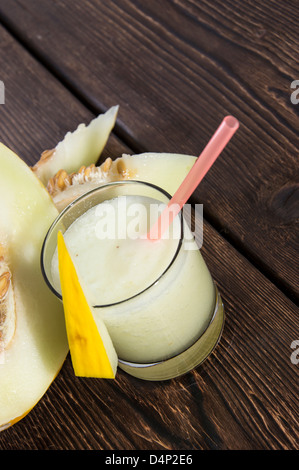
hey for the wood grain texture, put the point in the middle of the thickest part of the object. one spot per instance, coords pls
(176, 71)
(38, 110)
(243, 397)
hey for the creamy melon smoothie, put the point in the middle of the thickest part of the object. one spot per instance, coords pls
(157, 298)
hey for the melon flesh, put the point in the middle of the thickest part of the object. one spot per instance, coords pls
(166, 170)
(81, 147)
(38, 347)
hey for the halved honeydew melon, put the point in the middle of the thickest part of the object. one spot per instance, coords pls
(166, 170)
(81, 147)
(33, 341)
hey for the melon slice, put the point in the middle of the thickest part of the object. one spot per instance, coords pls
(166, 170)
(33, 341)
(81, 147)
(91, 348)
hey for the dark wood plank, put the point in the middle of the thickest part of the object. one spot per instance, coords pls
(243, 396)
(176, 71)
(38, 110)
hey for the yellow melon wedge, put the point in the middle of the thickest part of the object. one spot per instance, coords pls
(92, 351)
(33, 341)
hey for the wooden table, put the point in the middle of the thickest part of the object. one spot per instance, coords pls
(176, 68)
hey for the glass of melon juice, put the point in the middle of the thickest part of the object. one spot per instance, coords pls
(157, 297)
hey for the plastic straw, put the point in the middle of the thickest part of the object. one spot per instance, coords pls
(202, 165)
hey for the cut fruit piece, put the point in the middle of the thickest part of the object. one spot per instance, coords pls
(91, 348)
(81, 147)
(33, 342)
(7, 305)
(166, 170)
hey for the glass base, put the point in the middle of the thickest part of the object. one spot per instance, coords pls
(188, 359)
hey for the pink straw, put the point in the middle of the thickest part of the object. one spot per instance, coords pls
(202, 165)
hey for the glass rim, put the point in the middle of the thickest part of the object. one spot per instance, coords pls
(71, 205)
